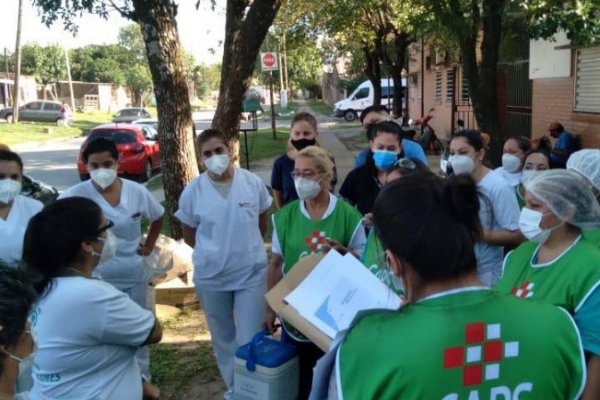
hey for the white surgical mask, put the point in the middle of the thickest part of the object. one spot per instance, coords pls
(9, 189)
(104, 177)
(217, 164)
(529, 224)
(511, 163)
(307, 189)
(109, 250)
(462, 164)
(528, 175)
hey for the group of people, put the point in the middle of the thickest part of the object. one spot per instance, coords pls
(84, 294)
(498, 269)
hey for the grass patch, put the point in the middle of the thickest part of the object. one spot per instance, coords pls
(24, 132)
(261, 145)
(155, 183)
(319, 107)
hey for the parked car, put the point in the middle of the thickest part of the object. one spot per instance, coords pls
(153, 122)
(362, 97)
(37, 111)
(38, 190)
(131, 114)
(139, 153)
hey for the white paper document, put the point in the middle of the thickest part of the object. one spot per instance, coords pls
(336, 290)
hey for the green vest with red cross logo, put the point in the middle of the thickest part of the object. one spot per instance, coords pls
(565, 282)
(300, 236)
(374, 259)
(466, 344)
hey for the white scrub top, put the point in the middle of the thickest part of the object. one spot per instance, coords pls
(229, 252)
(127, 267)
(513, 178)
(87, 333)
(498, 210)
(12, 230)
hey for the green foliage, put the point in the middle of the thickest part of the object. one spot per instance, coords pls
(47, 63)
(580, 19)
(206, 79)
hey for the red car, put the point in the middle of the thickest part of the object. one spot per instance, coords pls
(139, 154)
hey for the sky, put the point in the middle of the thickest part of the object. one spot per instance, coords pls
(199, 30)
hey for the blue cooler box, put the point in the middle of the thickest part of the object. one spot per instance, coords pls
(265, 369)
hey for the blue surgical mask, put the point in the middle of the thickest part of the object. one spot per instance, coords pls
(384, 159)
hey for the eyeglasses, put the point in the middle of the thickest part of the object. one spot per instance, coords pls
(305, 174)
(109, 224)
(405, 164)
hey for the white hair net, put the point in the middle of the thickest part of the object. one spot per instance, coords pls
(587, 163)
(567, 196)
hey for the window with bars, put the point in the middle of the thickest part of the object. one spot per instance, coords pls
(587, 81)
(449, 84)
(438, 85)
(464, 89)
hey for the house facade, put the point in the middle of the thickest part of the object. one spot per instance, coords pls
(566, 88)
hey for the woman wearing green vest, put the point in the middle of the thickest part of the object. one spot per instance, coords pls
(587, 164)
(453, 338)
(556, 266)
(315, 223)
(535, 161)
(373, 257)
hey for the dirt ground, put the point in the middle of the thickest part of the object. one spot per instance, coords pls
(183, 365)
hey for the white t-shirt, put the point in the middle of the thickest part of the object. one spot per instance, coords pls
(513, 178)
(357, 242)
(87, 333)
(498, 210)
(126, 268)
(12, 230)
(229, 252)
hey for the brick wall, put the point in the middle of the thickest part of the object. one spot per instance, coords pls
(553, 101)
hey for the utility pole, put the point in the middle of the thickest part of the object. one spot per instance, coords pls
(16, 96)
(5, 86)
(70, 81)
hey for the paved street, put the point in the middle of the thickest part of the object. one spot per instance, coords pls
(53, 163)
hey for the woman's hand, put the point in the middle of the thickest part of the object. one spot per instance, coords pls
(333, 244)
(269, 321)
(150, 392)
(144, 250)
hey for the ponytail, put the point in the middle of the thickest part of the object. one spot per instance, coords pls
(461, 200)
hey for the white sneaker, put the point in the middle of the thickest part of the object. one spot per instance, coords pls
(228, 395)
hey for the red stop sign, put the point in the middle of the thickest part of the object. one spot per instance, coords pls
(268, 60)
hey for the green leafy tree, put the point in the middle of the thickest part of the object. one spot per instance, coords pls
(157, 21)
(46, 64)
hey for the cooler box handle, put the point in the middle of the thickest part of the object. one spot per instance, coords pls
(251, 361)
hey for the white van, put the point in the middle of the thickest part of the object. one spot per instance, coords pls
(362, 97)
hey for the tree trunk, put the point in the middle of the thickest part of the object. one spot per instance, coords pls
(482, 78)
(247, 24)
(394, 63)
(175, 128)
(373, 72)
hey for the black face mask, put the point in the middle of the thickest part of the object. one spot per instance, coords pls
(302, 143)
